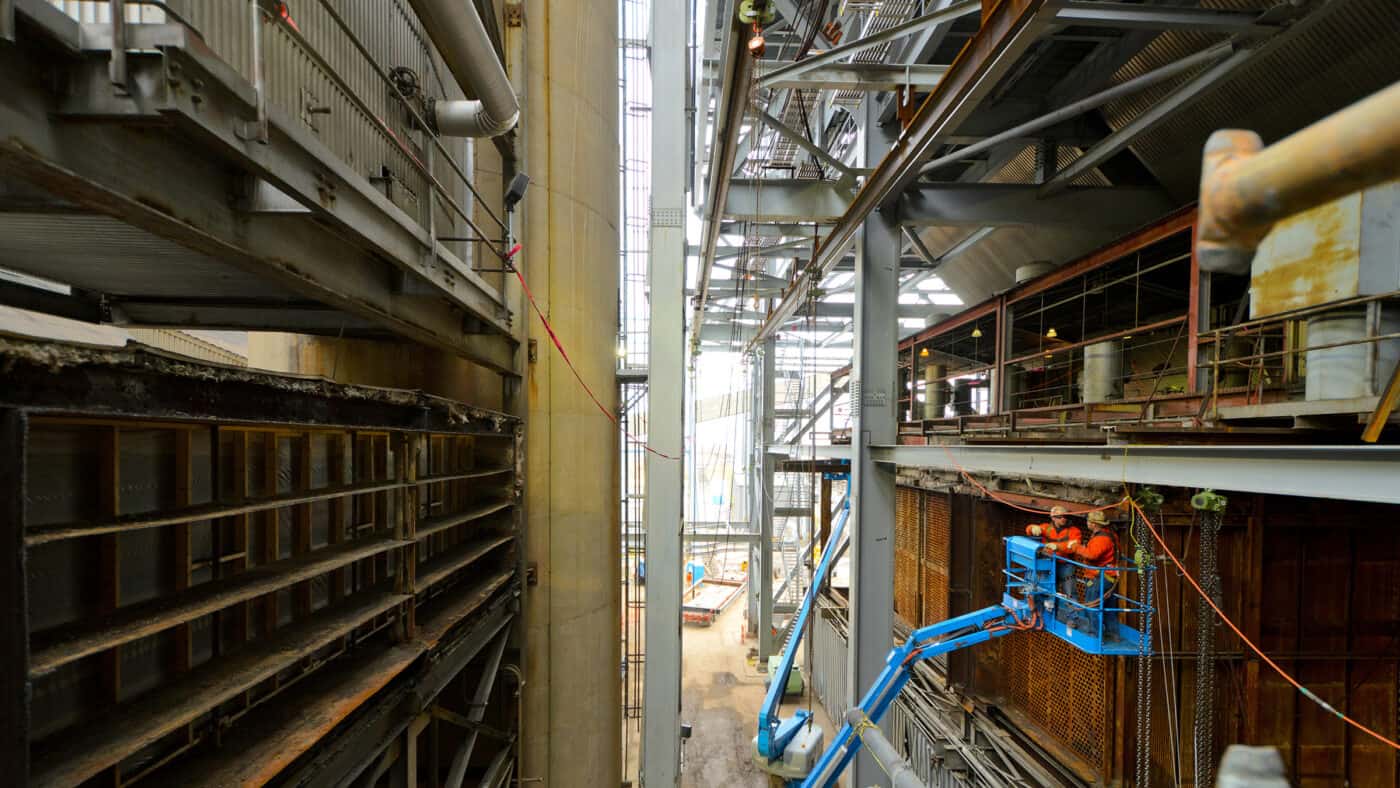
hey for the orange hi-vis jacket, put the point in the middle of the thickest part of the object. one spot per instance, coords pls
(1057, 539)
(1100, 550)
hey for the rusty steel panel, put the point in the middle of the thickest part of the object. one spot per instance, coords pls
(182, 574)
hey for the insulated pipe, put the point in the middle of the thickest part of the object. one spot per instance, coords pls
(901, 774)
(1246, 187)
(459, 34)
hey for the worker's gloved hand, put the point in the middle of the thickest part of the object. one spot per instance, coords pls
(1071, 544)
(1045, 549)
(1033, 530)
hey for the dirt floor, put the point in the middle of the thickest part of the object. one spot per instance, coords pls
(720, 696)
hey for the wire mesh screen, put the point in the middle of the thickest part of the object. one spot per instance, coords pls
(908, 526)
(1062, 689)
(937, 540)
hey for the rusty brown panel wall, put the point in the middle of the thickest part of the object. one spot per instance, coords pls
(1331, 576)
(937, 536)
(907, 525)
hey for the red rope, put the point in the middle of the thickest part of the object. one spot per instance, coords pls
(553, 337)
(1011, 503)
(1242, 636)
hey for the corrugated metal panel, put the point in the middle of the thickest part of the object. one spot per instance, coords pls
(389, 31)
(103, 254)
(1343, 52)
(100, 11)
(185, 344)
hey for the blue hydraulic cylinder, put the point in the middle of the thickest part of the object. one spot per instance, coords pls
(773, 734)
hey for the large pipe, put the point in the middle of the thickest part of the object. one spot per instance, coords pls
(901, 774)
(459, 34)
(1246, 187)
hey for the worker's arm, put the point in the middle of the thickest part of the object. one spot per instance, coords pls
(1039, 530)
(1062, 542)
(1095, 550)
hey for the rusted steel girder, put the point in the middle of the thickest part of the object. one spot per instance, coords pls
(1246, 188)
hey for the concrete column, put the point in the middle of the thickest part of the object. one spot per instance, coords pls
(573, 690)
(874, 400)
(768, 374)
(661, 729)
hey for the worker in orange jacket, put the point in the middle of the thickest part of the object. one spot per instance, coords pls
(1056, 537)
(1099, 550)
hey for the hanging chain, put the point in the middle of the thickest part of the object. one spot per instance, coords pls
(1145, 559)
(1212, 509)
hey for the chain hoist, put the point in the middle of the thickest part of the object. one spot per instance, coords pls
(1211, 508)
(1145, 559)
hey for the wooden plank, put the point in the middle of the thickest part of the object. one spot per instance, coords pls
(56, 649)
(45, 534)
(15, 689)
(435, 525)
(132, 726)
(440, 567)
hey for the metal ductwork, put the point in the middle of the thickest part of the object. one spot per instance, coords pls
(459, 34)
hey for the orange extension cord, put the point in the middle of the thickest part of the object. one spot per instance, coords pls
(1307, 693)
(1286, 677)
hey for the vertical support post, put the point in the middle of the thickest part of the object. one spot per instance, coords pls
(661, 739)
(874, 404)
(767, 374)
(755, 487)
(14, 616)
(7, 20)
(116, 67)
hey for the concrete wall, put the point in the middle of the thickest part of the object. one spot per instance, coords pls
(573, 690)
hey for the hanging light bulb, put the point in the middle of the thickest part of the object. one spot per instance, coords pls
(976, 332)
(1051, 333)
(923, 353)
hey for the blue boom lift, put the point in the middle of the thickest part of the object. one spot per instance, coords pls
(1095, 623)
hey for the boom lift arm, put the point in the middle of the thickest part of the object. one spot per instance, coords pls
(1094, 626)
(775, 734)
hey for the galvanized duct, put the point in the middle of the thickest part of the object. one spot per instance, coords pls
(457, 30)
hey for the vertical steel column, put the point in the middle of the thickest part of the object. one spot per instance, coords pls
(14, 626)
(874, 403)
(755, 487)
(768, 372)
(661, 737)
